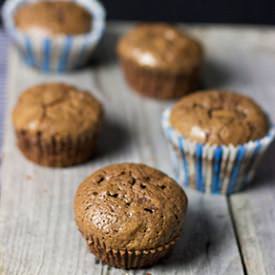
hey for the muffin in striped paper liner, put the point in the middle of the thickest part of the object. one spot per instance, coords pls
(214, 168)
(55, 52)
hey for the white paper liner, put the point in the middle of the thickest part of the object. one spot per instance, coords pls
(211, 168)
(60, 53)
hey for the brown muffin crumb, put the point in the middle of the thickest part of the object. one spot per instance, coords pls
(54, 18)
(129, 207)
(161, 47)
(219, 117)
(57, 124)
(160, 61)
(56, 109)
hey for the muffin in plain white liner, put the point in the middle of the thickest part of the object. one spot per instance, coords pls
(202, 161)
(56, 53)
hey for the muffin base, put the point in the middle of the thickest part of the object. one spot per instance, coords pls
(56, 152)
(159, 84)
(128, 259)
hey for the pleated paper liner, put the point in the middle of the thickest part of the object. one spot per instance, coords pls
(55, 54)
(160, 85)
(128, 259)
(56, 152)
(214, 169)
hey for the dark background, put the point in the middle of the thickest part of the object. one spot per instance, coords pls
(212, 11)
(192, 11)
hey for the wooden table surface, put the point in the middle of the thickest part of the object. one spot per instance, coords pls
(222, 235)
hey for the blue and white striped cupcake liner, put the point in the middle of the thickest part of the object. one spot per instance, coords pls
(60, 53)
(211, 168)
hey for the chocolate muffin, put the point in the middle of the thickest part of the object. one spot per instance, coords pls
(218, 117)
(53, 18)
(130, 214)
(218, 138)
(57, 124)
(160, 61)
(54, 36)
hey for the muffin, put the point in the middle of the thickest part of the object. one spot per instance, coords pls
(57, 124)
(130, 214)
(218, 138)
(53, 18)
(160, 61)
(54, 35)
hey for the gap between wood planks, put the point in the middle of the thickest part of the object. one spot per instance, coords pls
(230, 211)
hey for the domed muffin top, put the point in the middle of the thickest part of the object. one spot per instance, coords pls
(53, 18)
(56, 109)
(219, 117)
(130, 206)
(162, 47)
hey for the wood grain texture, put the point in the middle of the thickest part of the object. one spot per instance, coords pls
(253, 210)
(38, 233)
(247, 60)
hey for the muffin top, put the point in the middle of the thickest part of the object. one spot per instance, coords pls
(219, 117)
(56, 109)
(130, 206)
(53, 18)
(162, 47)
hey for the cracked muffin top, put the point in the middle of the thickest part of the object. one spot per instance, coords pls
(53, 18)
(219, 117)
(130, 206)
(160, 46)
(56, 109)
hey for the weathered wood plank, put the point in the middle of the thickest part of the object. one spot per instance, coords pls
(253, 210)
(245, 61)
(38, 234)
